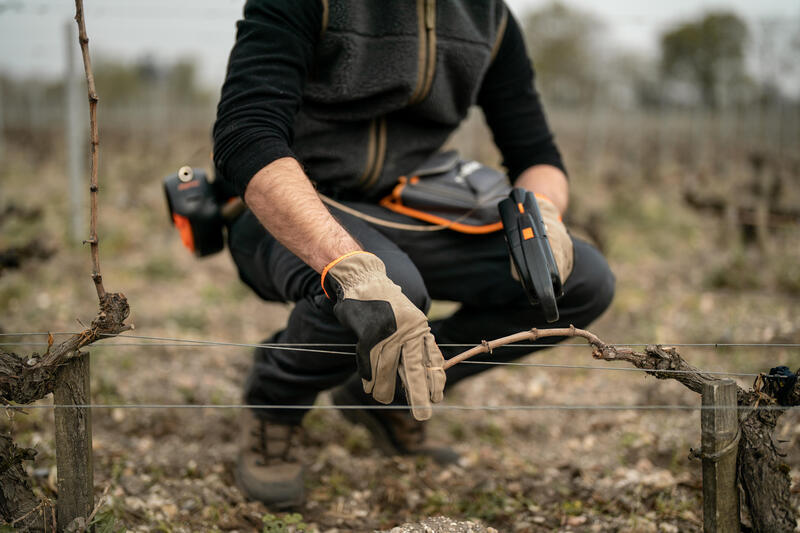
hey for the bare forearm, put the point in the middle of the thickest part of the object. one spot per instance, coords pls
(547, 180)
(285, 202)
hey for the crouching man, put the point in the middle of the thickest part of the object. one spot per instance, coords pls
(342, 97)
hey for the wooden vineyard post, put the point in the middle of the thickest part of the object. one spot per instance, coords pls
(73, 442)
(719, 423)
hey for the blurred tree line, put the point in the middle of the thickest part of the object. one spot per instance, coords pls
(701, 62)
(713, 118)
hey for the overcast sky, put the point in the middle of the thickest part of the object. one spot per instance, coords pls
(32, 32)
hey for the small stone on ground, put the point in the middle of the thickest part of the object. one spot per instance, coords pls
(441, 524)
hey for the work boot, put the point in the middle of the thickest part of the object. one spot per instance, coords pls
(266, 471)
(394, 431)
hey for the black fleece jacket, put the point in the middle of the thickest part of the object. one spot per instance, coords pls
(272, 58)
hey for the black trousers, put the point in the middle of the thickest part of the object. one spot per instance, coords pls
(473, 270)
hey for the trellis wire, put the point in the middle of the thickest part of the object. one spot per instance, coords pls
(438, 407)
(289, 344)
(304, 347)
(176, 342)
(496, 363)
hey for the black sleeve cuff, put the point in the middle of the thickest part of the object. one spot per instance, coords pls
(247, 160)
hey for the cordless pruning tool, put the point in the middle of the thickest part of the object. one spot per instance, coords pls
(200, 209)
(530, 250)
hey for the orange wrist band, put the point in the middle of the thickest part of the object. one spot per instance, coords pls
(332, 264)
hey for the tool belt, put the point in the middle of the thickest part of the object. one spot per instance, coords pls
(457, 194)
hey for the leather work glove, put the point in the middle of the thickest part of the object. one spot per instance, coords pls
(557, 236)
(393, 335)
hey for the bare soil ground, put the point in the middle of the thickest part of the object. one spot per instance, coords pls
(683, 277)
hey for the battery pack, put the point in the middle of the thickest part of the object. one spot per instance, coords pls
(194, 209)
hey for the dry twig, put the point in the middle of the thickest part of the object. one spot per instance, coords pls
(654, 360)
(94, 138)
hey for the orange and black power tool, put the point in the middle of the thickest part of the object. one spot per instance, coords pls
(199, 209)
(530, 250)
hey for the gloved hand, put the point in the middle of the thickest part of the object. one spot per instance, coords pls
(560, 242)
(393, 335)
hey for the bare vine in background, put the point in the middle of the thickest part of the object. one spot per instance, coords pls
(24, 380)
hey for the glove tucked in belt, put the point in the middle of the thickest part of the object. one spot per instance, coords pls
(393, 335)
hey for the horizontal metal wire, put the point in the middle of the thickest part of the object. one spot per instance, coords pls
(188, 343)
(459, 345)
(591, 367)
(174, 342)
(566, 407)
(509, 363)
(194, 344)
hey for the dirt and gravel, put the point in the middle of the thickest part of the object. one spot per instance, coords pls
(680, 280)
